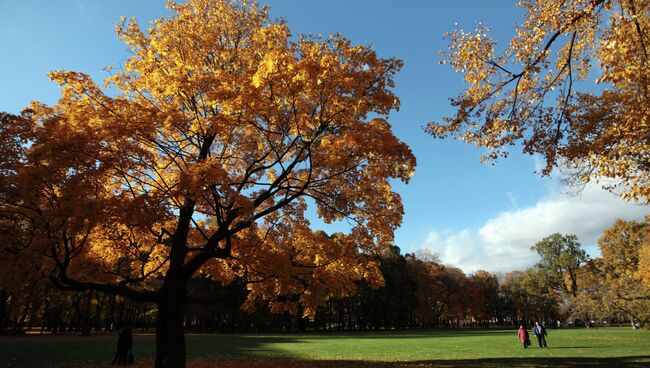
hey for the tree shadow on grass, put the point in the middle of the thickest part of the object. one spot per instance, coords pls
(246, 351)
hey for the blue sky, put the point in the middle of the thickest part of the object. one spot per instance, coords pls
(472, 215)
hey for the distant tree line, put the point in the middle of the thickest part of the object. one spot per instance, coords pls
(419, 292)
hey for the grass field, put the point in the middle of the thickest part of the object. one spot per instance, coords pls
(604, 347)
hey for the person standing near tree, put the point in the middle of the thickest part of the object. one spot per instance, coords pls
(540, 333)
(124, 346)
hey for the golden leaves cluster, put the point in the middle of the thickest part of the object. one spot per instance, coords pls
(624, 267)
(223, 116)
(536, 91)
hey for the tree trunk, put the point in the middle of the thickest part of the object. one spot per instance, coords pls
(85, 319)
(110, 319)
(170, 336)
(23, 317)
(4, 303)
(120, 313)
(45, 321)
(161, 334)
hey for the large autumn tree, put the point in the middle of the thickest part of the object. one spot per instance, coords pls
(621, 267)
(538, 91)
(220, 130)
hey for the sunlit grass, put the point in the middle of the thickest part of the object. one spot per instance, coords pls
(439, 348)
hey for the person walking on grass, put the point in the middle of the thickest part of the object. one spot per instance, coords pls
(523, 336)
(540, 333)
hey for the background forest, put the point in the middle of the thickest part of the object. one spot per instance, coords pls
(565, 286)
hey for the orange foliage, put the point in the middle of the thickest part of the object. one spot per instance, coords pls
(624, 266)
(223, 129)
(530, 94)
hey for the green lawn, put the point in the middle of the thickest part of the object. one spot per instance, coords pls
(604, 347)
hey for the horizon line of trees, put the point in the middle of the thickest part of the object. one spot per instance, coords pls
(419, 292)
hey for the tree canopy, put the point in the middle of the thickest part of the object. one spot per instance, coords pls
(561, 258)
(535, 91)
(624, 253)
(223, 129)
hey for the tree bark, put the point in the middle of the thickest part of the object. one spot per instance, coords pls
(110, 318)
(161, 334)
(4, 303)
(85, 319)
(25, 313)
(170, 336)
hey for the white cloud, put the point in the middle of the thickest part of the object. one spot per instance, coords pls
(512, 199)
(503, 242)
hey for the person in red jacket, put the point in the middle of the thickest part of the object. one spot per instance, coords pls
(523, 336)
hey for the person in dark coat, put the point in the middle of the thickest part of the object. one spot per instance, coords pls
(540, 333)
(124, 346)
(523, 336)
